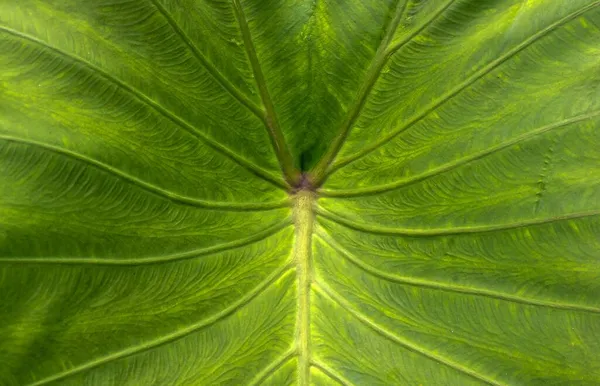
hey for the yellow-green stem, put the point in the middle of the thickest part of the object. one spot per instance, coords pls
(304, 216)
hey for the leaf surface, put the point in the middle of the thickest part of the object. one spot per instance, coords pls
(299, 192)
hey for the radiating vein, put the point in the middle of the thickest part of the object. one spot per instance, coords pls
(373, 72)
(164, 193)
(199, 252)
(330, 294)
(378, 189)
(270, 118)
(330, 373)
(436, 285)
(461, 87)
(272, 368)
(432, 232)
(216, 74)
(143, 98)
(434, 16)
(178, 334)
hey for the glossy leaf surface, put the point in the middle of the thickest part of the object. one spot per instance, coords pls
(299, 192)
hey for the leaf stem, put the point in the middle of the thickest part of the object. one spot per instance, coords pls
(270, 117)
(304, 216)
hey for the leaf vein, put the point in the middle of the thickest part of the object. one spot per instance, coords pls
(344, 304)
(453, 288)
(414, 232)
(172, 196)
(144, 99)
(270, 231)
(461, 87)
(272, 368)
(227, 85)
(319, 172)
(270, 118)
(174, 336)
(378, 189)
(330, 373)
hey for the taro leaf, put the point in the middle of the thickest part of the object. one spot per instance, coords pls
(228, 192)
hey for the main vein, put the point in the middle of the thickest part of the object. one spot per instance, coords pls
(270, 117)
(304, 217)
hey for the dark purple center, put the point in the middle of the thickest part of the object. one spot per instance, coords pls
(304, 183)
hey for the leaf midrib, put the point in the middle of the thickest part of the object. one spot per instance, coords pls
(304, 217)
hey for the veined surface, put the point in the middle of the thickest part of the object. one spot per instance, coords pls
(299, 192)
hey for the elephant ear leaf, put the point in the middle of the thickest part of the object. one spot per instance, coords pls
(278, 192)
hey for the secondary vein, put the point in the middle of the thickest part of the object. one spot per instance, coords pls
(415, 232)
(216, 74)
(330, 373)
(448, 287)
(383, 188)
(168, 338)
(270, 117)
(198, 252)
(461, 87)
(172, 196)
(272, 368)
(330, 294)
(373, 72)
(146, 100)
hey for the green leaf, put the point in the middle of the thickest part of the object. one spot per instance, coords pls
(299, 192)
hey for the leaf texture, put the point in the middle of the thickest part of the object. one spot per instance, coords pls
(310, 192)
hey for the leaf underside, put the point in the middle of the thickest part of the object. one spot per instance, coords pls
(278, 192)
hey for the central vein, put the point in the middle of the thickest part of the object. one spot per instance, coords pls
(304, 219)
